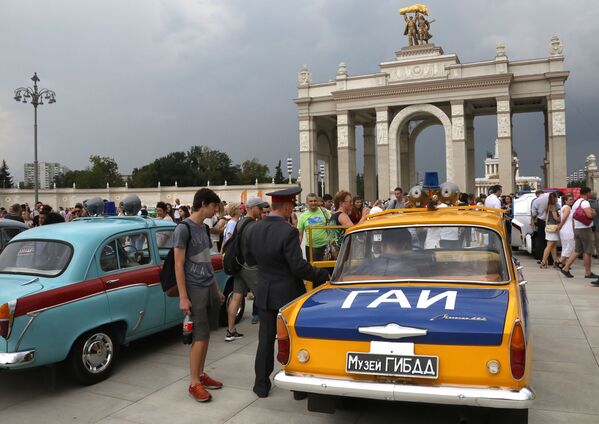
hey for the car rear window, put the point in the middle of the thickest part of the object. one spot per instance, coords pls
(427, 253)
(36, 257)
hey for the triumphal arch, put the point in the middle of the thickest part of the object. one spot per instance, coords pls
(425, 86)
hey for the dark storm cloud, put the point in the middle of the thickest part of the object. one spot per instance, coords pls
(138, 79)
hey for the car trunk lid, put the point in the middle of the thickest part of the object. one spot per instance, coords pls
(416, 314)
(13, 287)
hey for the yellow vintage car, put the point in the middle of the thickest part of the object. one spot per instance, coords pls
(423, 306)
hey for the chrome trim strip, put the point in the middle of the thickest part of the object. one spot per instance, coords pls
(126, 287)
(20, 339)
(392, 331)
(33, 280)
(154, 284)
(490, 397)
(37, 311)
(139, 320)
(11, 360)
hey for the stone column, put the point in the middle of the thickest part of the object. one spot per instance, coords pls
(591, 173)
(411, 163)
(382, 151)
(307, 136)
(470, 159)
(556, 155)
(334, 167)
(369, 164)
(459, 151)
(404, 157)
(346, 151)
(545, 165)
(504, 144)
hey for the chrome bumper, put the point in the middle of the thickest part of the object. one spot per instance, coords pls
(12, 360)
(452, 395)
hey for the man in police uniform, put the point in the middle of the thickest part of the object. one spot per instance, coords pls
(274, 247)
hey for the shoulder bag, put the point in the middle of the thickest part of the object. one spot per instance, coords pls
(581, 216)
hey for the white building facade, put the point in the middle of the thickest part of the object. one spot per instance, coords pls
(491, 177)
(47, 171)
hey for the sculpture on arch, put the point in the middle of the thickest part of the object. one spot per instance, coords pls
(417, 26)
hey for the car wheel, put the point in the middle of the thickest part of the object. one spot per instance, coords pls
(93, 356)
(228, 292)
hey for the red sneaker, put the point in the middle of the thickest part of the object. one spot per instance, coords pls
(199, 393)
(210, 383)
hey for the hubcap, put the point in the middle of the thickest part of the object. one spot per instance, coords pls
(97, 353)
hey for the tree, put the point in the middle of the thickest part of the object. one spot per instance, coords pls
(5, 178)
(212, 165)
(196, 167)
(103, 170)
(279, 178)
(252, 170)
(167, 170)
(577, 183)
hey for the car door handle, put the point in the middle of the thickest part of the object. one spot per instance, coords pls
(116, 280)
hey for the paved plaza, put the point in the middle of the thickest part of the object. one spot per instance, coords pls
(150, 385)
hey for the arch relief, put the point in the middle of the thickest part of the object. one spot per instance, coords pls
(398, 123)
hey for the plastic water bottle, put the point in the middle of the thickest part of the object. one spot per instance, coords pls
(187, 330)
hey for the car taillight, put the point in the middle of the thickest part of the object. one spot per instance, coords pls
(518, 351)
(7, 311)
(282, 341)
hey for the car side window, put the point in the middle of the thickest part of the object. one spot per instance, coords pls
(108, 259)
(9, 233)
(164, 241)
(127, 251)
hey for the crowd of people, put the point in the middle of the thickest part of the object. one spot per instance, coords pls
(40, 215)
(574, 224)
(274, 267)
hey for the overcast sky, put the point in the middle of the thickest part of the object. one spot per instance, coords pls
(138, 79)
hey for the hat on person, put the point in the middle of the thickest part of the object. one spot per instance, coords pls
(255, 201)
(286, 195)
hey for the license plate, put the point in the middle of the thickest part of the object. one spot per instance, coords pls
(394, 365)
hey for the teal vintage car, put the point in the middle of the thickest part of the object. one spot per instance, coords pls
(76, 291)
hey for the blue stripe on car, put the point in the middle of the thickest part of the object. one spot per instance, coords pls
(476, 318)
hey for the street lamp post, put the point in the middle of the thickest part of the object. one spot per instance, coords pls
(321, 176)
(289, 167)
(36, 97)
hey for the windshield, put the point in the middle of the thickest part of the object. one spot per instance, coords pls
(450, 253)
(36, 257)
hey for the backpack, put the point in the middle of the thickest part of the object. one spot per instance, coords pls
(232, 255)
(168, 278)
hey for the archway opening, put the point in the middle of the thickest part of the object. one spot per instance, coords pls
(430, 151)
(528, 142)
